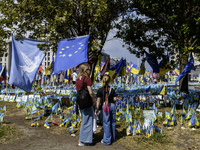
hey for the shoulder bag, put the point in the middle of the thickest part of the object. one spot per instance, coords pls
(84, 100)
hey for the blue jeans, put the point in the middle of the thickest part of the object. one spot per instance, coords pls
(86, 130)
(109, 123)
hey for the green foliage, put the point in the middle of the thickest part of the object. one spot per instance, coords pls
(53, 20)
(162, 27)
(6, 131)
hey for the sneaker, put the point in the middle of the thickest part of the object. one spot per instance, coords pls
(102, 141)
(81, 144)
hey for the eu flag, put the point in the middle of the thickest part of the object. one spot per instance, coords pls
(189, 66)
(26, 59)
(70, 53)
(152, 62)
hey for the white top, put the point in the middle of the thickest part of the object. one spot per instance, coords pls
(74, 75)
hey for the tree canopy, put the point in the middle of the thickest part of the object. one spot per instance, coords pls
(162, 27)
(53, 20)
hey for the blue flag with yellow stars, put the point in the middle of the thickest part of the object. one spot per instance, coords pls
(70, 53)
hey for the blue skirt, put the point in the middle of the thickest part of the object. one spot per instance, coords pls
(86, 130)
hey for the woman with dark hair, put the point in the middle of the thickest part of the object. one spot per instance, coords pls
(108, 97)
(86, 130)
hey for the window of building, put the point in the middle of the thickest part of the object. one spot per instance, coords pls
(48, 58)
(48, 63)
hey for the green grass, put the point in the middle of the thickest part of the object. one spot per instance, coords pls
(7, 131)
(9, 105)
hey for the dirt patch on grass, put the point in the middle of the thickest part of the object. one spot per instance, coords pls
(23, 136)
(26, 137)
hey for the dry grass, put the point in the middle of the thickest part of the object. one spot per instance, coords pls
(175, 138)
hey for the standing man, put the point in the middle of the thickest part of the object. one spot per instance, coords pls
(74, 76)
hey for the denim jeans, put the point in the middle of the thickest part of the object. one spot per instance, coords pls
(86, 132)
(109, 123)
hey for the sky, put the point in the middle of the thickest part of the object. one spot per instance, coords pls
(114, 48)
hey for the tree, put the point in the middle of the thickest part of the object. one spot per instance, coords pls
(53, 20)
(163, 27)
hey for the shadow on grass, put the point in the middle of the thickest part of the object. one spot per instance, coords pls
(118, 135)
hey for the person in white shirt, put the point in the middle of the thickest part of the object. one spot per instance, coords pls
(74, 76)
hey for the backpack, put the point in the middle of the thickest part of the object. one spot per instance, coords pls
(84, 100)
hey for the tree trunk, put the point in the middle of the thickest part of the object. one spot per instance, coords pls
(183, 83)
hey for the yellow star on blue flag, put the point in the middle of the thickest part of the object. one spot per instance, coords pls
(70, 53)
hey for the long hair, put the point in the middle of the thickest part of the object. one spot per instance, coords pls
(82, 70)
(105, 83)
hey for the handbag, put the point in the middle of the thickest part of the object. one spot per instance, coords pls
(84, 100)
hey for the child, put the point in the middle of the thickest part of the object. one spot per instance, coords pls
(108, 97)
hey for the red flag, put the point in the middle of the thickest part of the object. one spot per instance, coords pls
(174, 73)
(3, 74)
(154, 76)
(55, 122)
(151, 80)
(127, 70)
(105, 67)
(40, 69)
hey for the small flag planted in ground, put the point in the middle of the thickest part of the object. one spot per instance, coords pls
(55, 123)
(71, 131)
(33, 124)
(28, 118)
(46, 125)
(38, 124)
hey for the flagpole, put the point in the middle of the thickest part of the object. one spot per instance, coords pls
(6, 85)
(121, 80)
(124, 85)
